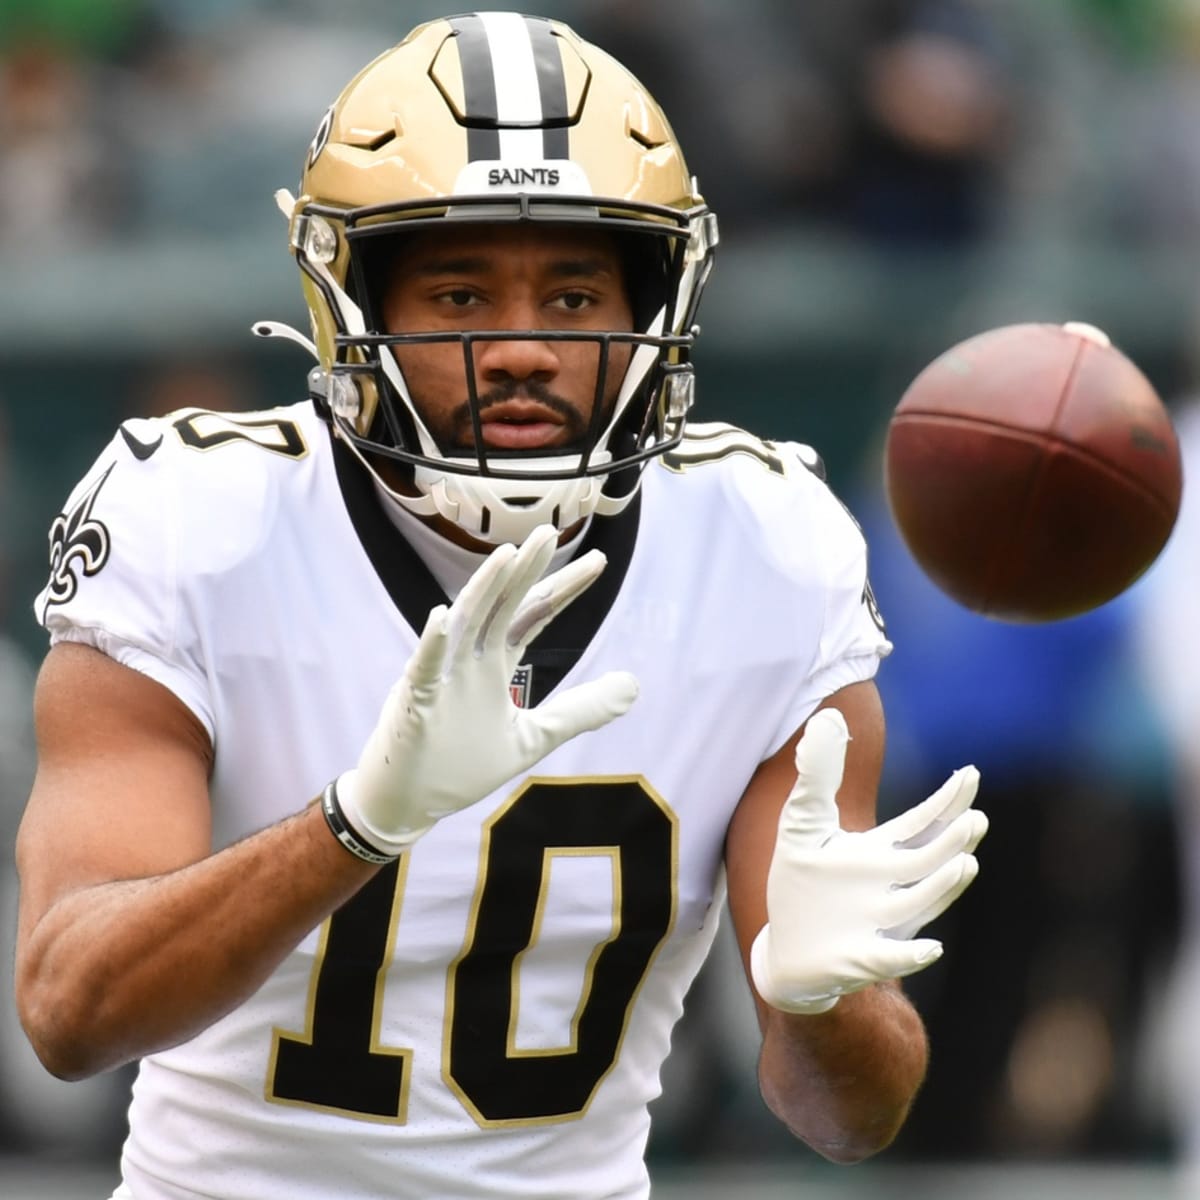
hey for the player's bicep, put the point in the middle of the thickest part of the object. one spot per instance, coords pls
(121, 790)
(750, 841)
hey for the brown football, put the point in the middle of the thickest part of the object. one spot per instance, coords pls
(1032, 471)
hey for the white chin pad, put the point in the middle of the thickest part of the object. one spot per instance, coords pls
(507, 510)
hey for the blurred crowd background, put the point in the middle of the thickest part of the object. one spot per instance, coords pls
(891, 176)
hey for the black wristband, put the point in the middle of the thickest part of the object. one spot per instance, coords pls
(342, 830)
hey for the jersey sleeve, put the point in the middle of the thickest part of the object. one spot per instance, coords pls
(114, 580)
(822, 550)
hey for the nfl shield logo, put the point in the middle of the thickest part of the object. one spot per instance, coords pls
(518, 686)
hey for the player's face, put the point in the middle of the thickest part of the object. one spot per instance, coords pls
(533, 394)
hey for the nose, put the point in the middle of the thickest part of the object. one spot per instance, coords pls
(517, 358)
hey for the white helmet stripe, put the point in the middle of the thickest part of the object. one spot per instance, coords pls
(513, 77)
(518, 98)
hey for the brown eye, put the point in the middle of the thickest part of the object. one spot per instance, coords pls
(458, 297)
(574, 301)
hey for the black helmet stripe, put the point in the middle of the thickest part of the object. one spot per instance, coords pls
(479, 88)
(514, 88)
(552, 87)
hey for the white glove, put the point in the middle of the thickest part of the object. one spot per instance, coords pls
(842, 908)
(449, 733)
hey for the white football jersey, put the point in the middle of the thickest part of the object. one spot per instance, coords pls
(489, 1016)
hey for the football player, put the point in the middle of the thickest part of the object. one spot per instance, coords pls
(560, 670)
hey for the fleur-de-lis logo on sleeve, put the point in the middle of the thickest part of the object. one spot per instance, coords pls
(78, 542)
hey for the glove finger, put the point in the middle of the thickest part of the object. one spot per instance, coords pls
(424, 669)
(474, 606)
(925, 820)
(552, 595)
(964, 833)
(810, 814)
(914, 907)
(529, 564)
(586, 706)
(894, 960)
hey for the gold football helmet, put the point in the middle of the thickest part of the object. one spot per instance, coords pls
(497, 117)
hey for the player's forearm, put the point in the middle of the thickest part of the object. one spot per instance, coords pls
(118, 970)
(843, 1081)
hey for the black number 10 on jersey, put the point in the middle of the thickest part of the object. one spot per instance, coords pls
(339, 1065)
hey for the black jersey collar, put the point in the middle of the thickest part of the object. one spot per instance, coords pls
(414, 591)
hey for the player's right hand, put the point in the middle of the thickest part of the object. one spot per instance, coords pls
(449, 732)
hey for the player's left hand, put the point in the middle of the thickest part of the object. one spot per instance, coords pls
(842, 907)
(449, 732)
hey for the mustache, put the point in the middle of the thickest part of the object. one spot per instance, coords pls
(524, 389)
